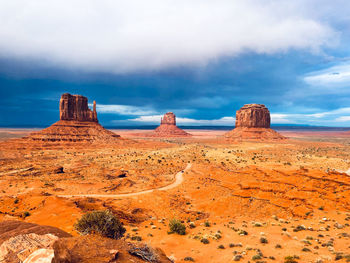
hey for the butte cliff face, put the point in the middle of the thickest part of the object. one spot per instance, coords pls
(168, 128)
(253, 116)
(78, 123)
(75, 108)
(253, 123)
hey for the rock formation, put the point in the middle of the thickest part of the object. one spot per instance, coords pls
(19, 240)
(253, 123)
(253, 116)
(75, 108)
(32, 243)
(77, 123)
(168, 128)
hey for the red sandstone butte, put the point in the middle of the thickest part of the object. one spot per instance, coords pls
(253, 123)
(77, 123)
(75, 108)
(168, 128)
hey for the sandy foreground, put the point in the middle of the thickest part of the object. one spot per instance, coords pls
(252, 201)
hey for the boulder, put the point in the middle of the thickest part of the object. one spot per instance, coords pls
(93, 248)
(19, 240)
(32, 243)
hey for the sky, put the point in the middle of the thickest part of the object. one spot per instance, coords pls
(200, 59)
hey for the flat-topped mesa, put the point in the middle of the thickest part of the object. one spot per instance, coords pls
(75, 108)
(168, 128)
(77, 123)
(253, 123)
(253, 116)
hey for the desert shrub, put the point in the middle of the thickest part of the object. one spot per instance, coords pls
(278, 246)
(26, 214)
(145, 252)
(263, 240)
(256, 257)
(176, 226)
(189, 259)
(137, 238)
(221, 247)
(205, 241)
(242, 233)
(101, 222)
(207, 224)
(291, 259)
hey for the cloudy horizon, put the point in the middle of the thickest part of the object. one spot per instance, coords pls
(203, 60)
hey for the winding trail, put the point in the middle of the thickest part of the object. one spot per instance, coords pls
(178, 180)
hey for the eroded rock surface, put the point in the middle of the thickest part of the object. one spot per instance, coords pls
(253, 123)
(77, 123)
(18, 240)
(91, 249)
(75, 108)
(29, 243)
(253, 116)
(168, 128)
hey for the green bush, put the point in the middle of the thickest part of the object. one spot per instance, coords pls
(176, 226)
(101, 222)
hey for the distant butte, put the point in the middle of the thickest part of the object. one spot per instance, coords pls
(253, 123)
(168, 128)
(77, 123)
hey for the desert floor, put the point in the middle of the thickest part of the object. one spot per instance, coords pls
(261, 200)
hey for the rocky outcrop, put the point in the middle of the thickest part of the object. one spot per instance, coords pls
(77, 124)
(253, 116)
(168, 118)
(93, 248)
(32, 243)
(253, 123)
(168, 128)
(74, 131)
(75, 108)
(19, 240)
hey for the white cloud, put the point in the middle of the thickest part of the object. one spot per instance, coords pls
(155, 119)
(343, 119)
(124, 109)
(129, 35)
(336, 76)
(328, 118)
(280, 118)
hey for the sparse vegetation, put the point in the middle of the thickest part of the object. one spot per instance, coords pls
(26, 214)
(291, 259)
(263, 240)
(145, 252)
(101, 222)
(205, 241)
(177, 227)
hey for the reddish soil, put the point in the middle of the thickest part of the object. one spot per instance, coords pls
(295, 192)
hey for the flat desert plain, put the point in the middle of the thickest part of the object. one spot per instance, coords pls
(240, 201)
